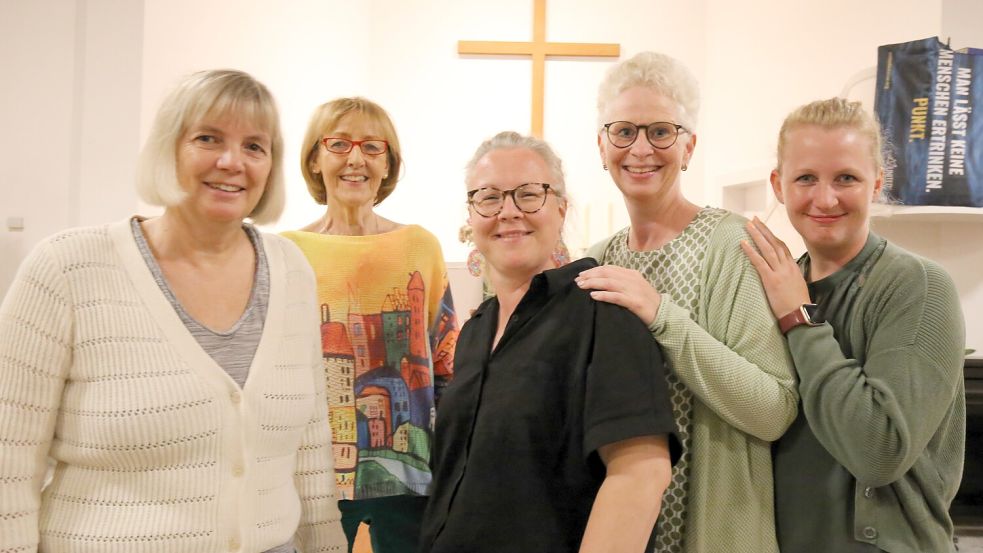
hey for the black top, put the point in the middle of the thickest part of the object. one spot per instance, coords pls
(516, 466)
(814, 514)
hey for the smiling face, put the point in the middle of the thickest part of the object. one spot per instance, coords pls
(516, 245)
(223, 164)
(641, 171)
(352, 179)
(827, 181)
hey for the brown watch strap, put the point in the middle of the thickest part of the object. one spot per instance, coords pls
(795, 318)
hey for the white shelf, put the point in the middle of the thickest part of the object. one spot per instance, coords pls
(927, 213)
(747, 192)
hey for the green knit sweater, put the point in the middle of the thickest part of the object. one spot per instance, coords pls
(734, 360)
(887, 401)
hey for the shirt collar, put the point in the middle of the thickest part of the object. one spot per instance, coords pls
(547, 283)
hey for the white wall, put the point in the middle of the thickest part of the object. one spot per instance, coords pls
(68, 103)
(108, 46)
(961, 23)
(37, 145)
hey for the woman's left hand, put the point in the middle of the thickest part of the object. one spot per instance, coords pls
(780, 274)
(624, 287)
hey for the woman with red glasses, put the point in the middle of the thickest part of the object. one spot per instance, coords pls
(388, 327)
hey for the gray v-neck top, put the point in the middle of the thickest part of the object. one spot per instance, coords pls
(232, 349)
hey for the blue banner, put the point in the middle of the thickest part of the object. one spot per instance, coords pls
(925, 99)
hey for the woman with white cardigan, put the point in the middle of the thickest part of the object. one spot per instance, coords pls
(170, 367)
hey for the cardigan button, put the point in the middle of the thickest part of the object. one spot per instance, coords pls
(868, 492)
(870, 532)
(236, 397)
(237, 470)
(234, 544)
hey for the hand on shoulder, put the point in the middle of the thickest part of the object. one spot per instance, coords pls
(624, 287)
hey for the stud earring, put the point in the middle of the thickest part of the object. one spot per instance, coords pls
(605, 166)
(685, 167)
(475, 261)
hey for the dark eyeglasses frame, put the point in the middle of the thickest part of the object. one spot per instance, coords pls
(352, 144)
(506, 193)
(679, 129)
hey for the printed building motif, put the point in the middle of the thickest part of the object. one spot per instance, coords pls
(380, 382)
(339, 366)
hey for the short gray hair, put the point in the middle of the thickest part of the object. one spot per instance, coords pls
(511, 140)
(199, 95)
(660, 72)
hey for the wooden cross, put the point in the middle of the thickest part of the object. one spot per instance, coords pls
(538, 49)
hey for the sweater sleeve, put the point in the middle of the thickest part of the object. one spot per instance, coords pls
(319, 529)
(36, 336)
(877, 417)
(735, 360)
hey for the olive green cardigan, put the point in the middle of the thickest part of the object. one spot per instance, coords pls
(895, 416)
(735, 361)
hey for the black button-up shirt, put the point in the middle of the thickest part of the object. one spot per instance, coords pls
(516, 464)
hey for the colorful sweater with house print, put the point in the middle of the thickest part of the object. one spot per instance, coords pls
(388, 331)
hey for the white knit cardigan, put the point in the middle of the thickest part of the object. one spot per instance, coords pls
(154, 446)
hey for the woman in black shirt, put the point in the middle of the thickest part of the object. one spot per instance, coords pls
(553, 434)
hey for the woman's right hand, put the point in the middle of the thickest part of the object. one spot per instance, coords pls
(624, 287)
(780, 274)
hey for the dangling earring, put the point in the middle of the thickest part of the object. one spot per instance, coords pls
(685, 167)
(560, 255)
(605, 166)
(475, 261)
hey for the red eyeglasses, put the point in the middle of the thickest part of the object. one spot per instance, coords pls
(337, 145)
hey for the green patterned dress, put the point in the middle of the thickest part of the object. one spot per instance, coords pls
(674, 271)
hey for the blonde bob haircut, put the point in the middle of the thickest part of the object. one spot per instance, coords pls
(324, 120)
(663, 74)
(216, 93)
(511, 140)
(832, 114)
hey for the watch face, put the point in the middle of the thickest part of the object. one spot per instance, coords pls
(812, 311)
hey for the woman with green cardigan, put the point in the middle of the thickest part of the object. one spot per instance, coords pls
(876, 333)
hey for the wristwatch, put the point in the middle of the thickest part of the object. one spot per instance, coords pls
(806, 314)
